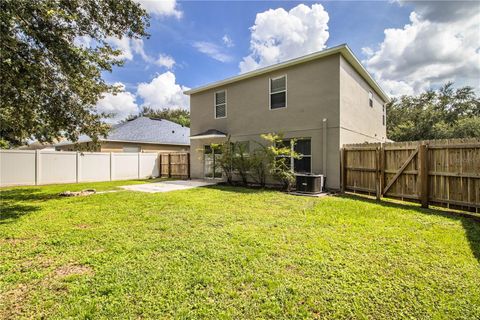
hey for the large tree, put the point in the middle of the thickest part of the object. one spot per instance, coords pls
(50, 83)
(444, 113)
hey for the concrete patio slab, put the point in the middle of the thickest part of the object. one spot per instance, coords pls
(166, 186)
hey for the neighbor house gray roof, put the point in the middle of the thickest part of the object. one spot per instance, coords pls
(144, 130)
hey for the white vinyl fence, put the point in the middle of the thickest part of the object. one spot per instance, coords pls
(29, 167)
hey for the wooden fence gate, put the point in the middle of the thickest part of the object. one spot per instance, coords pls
(439, 172)
(175, 165)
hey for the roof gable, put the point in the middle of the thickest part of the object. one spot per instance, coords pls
(342, 49)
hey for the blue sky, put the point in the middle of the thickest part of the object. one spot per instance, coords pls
(192, 34)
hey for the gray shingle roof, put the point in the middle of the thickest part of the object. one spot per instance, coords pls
(145, 130)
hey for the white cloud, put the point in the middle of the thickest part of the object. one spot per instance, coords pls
(228, 41)
(212, 50)
(279, 35)
(130, 47)
(123, 44)
(121, 104)
(441, 43)
(165, 61)
(163, 92)
(137, 47)
(161, 7)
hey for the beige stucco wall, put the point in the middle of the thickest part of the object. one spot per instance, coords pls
(144, 147)
(358, 121)
(326, 88)
(312, 95)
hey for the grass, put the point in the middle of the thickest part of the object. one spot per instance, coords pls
(223, 252)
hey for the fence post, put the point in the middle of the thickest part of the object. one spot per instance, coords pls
(111, 166)
(188, 165)
(377, 174)
(342, 170)
(382, 168)
(37, 167)
(160, 164)
(423, 174)
(169, 165)
(138, 164)
(77, 167)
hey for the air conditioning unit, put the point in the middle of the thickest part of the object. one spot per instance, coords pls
(310, 183)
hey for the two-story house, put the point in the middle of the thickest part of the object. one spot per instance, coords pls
(323, 100)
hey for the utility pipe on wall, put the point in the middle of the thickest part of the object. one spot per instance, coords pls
(324, 144)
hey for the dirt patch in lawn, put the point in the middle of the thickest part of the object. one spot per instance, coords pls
(72, 269)
(14, 301)
(37, 263)
(83, 226)
(13, 241)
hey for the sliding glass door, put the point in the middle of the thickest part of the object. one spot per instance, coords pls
(211, 168)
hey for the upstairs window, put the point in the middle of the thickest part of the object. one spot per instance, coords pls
(220, 104)
(370, 99)
(278, 92)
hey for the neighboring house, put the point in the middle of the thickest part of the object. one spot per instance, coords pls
(35, 145)
(139, 135)
(324, 100)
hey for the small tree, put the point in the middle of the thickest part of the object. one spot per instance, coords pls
(278, 159)
(258, 165)
(225, 161)
(241, 160)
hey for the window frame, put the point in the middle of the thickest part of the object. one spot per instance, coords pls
(303, 156)
(270, 91)
(292, 149)
(370, 99)
(215, 104)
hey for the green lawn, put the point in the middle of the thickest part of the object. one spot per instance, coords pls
(224, 252)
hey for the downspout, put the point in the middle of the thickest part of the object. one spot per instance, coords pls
(324, 144)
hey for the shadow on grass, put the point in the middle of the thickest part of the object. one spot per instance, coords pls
(12, 204)
(239, 189)
(470, 222)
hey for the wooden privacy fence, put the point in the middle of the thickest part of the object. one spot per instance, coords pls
(175, 165)
(439, 172)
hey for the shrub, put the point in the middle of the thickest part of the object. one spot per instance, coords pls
(278, 157)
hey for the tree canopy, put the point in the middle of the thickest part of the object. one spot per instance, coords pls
(444, 113)
(50, 82)
(180, 116)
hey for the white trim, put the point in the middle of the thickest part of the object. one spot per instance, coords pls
(270, 92)
(343, 49)
(209, 136)
(215, 104)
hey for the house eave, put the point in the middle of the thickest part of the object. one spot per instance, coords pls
(342, 49)
(208, 136)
